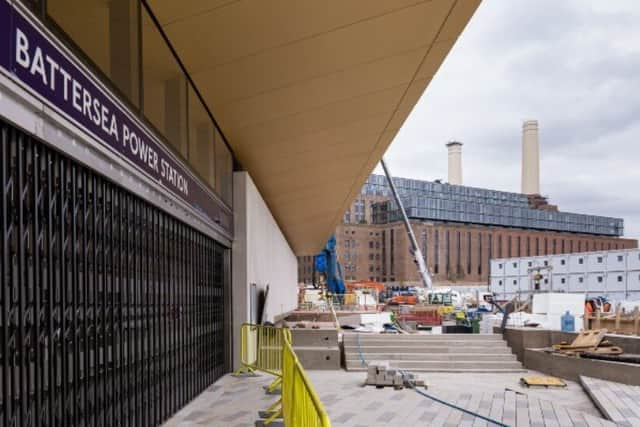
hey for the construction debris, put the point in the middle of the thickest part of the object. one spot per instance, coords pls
(380, 374)
(585, 341)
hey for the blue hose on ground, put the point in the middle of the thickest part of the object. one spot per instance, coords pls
(428, 396)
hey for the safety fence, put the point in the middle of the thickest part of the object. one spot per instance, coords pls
(301, 406)
(269, 349)
(261, 350)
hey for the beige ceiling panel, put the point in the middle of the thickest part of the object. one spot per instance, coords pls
(319, 56)
(311, 93)
(436, 56)
(457, 19)
(245, 28)
(327, 117)
(358, 132)
(405, 107)
(331, 89)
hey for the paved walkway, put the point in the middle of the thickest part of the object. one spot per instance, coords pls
(618, 402)
(234, 402)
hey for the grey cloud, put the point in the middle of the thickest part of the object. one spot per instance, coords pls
(574, 66)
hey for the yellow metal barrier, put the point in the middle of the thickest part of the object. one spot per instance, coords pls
(261, 350)
(301, 406)
(268, 349)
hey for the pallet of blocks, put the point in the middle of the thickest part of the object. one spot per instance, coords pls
(380, 374)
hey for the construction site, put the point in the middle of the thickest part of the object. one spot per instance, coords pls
(192, 232)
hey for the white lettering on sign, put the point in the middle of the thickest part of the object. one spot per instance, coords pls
(50, 72)
(53, 75)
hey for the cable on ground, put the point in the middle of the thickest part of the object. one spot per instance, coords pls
(428, 396)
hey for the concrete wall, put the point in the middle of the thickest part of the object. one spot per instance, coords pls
(260, 255)
(520, 339)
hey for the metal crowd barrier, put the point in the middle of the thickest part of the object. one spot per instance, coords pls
(269, 349)
(301, 406)
(261, 350)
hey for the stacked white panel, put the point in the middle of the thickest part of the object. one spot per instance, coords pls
(614, 274)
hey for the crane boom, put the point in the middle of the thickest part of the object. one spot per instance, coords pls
(416, 252)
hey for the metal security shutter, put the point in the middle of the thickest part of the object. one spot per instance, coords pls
(111, 310)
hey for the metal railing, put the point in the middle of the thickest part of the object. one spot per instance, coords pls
(261, 350)
(269, 349)
(301, 406)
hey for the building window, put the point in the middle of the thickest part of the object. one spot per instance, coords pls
(562, 262)
(580, 279)
(599, 260)
(546, 263)
(529, 264)
(107, 32)
(515, 265)
(562, 280)
(619, 258)
(619, 278)
(500, 266)
(500, 282)
(370, 244)
(515, 281)
(546, 281)
(580, 261)
(370, 257)
(599, 279)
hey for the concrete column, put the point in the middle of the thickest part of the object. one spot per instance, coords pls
(530, 158)
(455, 162)
(123, 47)
(175, 113)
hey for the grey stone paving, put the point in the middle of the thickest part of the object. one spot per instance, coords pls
(618, 402)
(235, 402)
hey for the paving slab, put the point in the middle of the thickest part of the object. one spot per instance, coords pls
(235, 402)
(619, 403)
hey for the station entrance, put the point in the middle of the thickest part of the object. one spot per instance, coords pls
(112, 312)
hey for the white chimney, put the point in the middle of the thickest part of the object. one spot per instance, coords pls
(530, 158)
(455, 162)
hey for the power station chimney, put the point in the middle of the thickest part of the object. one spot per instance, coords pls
(455, 162)
(530, 158)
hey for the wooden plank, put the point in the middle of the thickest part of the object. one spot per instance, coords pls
(590, 338)
(522, 411)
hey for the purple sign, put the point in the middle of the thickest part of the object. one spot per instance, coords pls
(47, 70)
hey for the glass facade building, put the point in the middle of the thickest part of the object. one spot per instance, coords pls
(437, 201)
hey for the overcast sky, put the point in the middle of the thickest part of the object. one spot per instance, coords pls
(572, 65)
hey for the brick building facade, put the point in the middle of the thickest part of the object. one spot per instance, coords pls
(455, 252)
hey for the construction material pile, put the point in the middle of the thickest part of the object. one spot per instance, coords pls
(588, 344)
(380, 374)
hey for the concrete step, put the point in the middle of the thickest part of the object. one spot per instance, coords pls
(424, 337)
(428, 349)
(442, 366)
(424, 344)
(454, 357)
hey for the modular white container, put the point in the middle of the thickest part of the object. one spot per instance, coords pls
(614, 274)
